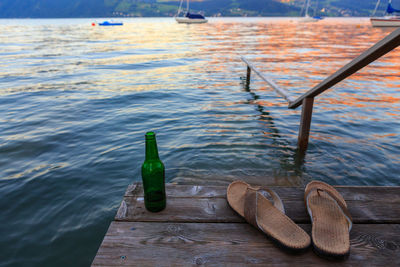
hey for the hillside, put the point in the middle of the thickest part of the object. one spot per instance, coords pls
(158, 8)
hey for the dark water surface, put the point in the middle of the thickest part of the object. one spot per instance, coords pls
(76, 101)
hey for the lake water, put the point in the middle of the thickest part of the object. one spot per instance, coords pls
(76, 101)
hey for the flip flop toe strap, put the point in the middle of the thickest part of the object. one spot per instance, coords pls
(250, 206)
(339, 202)
(276, 200)
(253, 194)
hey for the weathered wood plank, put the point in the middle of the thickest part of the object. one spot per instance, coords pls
(232, 244)
(173, 190)
(217, 210)
(380, 193)
(208, 204)
(180, 210)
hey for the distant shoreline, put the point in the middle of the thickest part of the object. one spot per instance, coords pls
(227, 17)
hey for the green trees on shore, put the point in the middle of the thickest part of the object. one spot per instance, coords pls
(168, 8)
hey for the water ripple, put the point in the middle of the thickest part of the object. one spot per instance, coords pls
(76, 100)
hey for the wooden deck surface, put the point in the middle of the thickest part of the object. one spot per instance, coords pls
(199, 228)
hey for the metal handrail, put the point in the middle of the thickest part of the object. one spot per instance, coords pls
(381, 48)
(384, 46)
(268, 80)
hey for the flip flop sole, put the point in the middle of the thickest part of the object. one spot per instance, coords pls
(270, 220)
(330, 227)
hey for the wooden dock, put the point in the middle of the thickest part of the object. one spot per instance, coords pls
(199, 228)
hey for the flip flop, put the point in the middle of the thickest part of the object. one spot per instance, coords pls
(331, 221)
(269, 217)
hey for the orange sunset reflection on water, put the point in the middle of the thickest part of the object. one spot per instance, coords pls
(297, 56)
(300, 55)
(194, 77)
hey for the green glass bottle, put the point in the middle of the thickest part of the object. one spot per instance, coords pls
(153, 176)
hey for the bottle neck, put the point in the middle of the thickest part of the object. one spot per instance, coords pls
(151, 149)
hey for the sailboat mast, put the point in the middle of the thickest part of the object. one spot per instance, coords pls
(308, 5)
(376, 7)
(179, 9)
(187, 6)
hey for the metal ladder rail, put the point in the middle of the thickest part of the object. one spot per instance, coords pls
(381, 48)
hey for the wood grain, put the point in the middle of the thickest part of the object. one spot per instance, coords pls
(199, 228)
(208, 204)
(388, 193)
(232, 244)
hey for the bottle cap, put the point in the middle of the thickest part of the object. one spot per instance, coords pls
(150, 135)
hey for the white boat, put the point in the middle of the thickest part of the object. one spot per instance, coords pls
(190, 20)
(389, 19)
(308, 18)
(189, 17)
